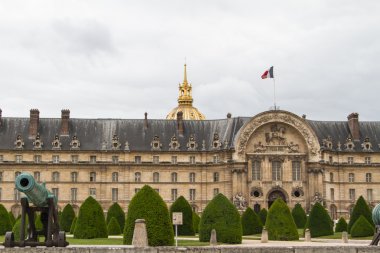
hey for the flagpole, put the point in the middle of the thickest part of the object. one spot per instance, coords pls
(274, 93)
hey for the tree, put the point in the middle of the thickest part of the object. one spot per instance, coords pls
(181, 205)
(220, 214)
(196, 220)
(299, 216)
(72, 227)
(263, 215)
(320, 221)
(5, 222)
(91, 222)
(66, 218)
(117, 212)
(251, 222)
(341, 225)
(362, 228)
(12, 218)
(360, 208)
(147, 204)
(113, 227)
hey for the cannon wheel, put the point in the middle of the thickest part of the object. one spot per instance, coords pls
(9, 240)
(61, 239)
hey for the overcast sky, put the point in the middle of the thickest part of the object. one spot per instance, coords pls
(119, 59)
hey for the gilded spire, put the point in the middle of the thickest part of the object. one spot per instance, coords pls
(185, 97)
(185, 76)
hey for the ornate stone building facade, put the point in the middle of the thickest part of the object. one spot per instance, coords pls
(251, 160)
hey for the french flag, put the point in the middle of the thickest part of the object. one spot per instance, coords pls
(268, 73)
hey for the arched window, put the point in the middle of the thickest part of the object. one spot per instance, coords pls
(156, 177)
(74, 177)
(115, 177)
(137, 177)
(92, 176)
(192, 177)
(55, 176)
(216, 176)
(174, 177)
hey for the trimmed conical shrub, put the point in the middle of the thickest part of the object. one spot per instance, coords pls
(91, 222)
(263, 215)
(280, 223)
(341, 225)
(362, 228)
(251, 222)
(360, 208)
(72, 228)
(299, 216)
(113, 227)
(17, 227)
(147, 204)
(196, 220)
(181, 205)
(12, 218)
(320, 221)
(5, 222)
(38, 222)
(66, 218)
(117, 212)
(220, 214)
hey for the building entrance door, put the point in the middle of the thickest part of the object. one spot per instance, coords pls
(275, 195)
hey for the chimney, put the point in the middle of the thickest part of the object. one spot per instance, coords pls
(229, 115)
(146, 120)
(33, 123)
(353, 125)
(65, 117)
(180, 123)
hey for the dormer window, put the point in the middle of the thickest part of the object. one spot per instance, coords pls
(366, 145)
(155, 144)
(216, 144)
(19, 143)
(174, 144)
(75, 143)
(56, 144)
(191, 144)
(115, 142)
(37, 144)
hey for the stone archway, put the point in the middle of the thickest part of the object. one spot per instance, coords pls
(275, 194)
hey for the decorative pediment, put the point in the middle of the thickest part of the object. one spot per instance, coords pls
(75, 143)
(37, 143)
(19, 143)
(115, 142)
(216, 143)
(174, 144)
(367, 145)
(192, 144)
(156, 144)
(349, 145)
(56, 144)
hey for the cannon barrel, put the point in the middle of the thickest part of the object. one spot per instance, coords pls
(376, 215)
(36, 193)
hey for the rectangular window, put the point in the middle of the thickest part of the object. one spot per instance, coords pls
(216, 177)
(174, 159)
(351, 177)
(74, 177)
(192, 194)
(18, 158)
(296, 170)
(37, 158)
(74, 158)
(92, 192)
(330, 159)
(93, 159)
(331, 177)
(37, 176)
(74, 194)
(92, 177)
(192, 159)
(156, 159)
(350, 160)
(216, 159)
(368, 177)
(55, 158)
(174, 177)
(256, 170)
(276, 170)
(192, 177)
(16, 194)
(352, 194)
(115, 159)
(55, 192)
(55, 176)
(332, 194)
(115, 194)
(369, 195)
(367, 160)
(1, 158)
(1, 176)
(174, 194)
(216, 191)
(137, 159)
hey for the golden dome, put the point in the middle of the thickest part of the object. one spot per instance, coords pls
(185, 103)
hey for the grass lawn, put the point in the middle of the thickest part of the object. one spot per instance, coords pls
(338, 235)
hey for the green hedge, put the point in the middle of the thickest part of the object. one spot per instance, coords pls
(113, 227)
(220, 214)
(196, 220)
(251, 222)
(72, 227)
(360, 208)
(17, 227)
(91, 222)
(263, 215)
(299, 216)
(341, 225)
(116, 211)
(280, 223)
(320, 221)
(181, 205)
(362, 228)
(5, 222)
(147, 204)
(66, 218)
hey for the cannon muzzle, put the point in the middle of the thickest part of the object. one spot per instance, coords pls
(36, 193)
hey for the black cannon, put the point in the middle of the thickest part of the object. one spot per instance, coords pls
(44, 202)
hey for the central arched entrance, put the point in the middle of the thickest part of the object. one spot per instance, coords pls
(275, 195)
